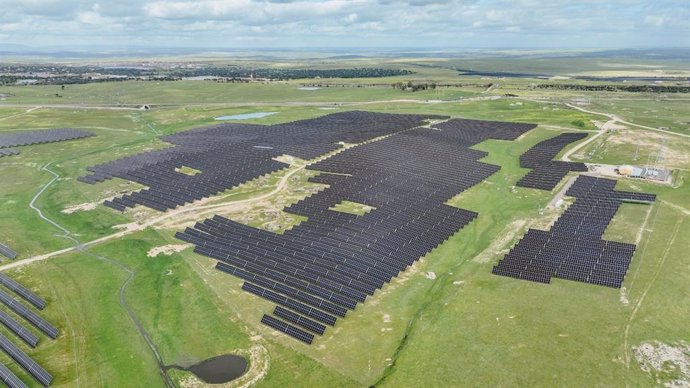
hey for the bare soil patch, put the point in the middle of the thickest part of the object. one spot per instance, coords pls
(508, 234)
(84, 207)
(669, 364)
(674, 150)
(167, 249)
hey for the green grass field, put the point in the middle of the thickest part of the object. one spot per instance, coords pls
(460, 327)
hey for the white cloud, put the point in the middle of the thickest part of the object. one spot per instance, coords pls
(656, 21)
(351, 18)
(192, 9)
(495, 15)
(245, 9)
(218, 23)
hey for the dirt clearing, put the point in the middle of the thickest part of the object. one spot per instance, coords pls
(167, 249)
(669, 364)
(84, 207)
(638, 146)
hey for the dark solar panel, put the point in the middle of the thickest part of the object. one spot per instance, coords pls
(287, 329)
(324, 266)
(574, 249)
(230, 154)
(7, 252)
(21, 138)
(31, 366)
(9, 378)
(299, 320)
(8, 152)
(547, 173)
(30, 338)
(29, 315)
(22, 291)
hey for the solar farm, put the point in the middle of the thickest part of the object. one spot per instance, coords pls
(21, 332)
(350, 238)
(22, 138)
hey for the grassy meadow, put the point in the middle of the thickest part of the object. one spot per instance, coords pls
(444, 322)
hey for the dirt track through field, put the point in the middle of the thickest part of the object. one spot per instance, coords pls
(660, 265)
(136, 227)
(78, 246)
(616, 119)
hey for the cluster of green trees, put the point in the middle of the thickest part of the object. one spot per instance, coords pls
(286, 74)
(78, 79)
(63, 74)
(413, 87)
(619, 88)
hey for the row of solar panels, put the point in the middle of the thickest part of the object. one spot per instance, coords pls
(320, 269)
(8, 152)
(7, 252)
(574, 249)
(21, 138)
(326, 265)
(230, 154)
(26, 335)
(547, 173)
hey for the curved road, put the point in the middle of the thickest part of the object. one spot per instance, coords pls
(615, 119)
(135, 227)
(122, 300)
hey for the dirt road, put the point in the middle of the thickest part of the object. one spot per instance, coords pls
(616, 119)
(135, 227)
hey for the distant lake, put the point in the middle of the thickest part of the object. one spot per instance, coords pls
(310, 88)
(246, 116)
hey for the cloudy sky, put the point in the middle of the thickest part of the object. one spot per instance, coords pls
(62, 24)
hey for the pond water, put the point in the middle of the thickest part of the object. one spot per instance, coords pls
(246, 116)
(310, 88)
(217, 370)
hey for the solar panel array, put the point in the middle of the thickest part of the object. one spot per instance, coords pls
(29, 315)
(8, 152)
(22, 291)
(574, 249)
(547, 173)
(9, 378)
(322, 268)
(31, 366)
(30, 338)
(228, 155)
(7, 252)
(21, 138)
(26, 335)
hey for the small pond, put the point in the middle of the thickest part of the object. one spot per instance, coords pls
(217, 370)
(246, 116)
